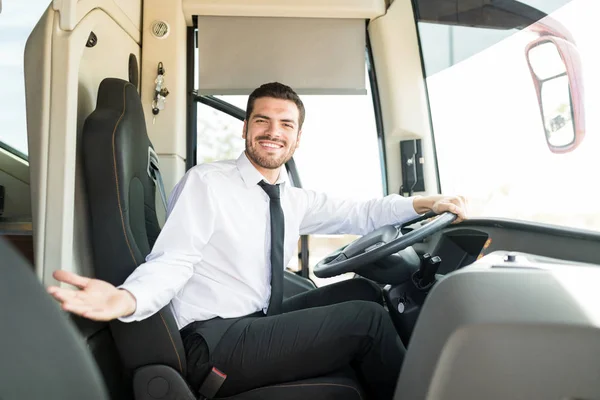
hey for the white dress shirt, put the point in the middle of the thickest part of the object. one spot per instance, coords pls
(212, 257)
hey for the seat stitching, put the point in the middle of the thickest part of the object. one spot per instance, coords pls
(123, 219)
(117, 176)
(172, 342)
(300, 385)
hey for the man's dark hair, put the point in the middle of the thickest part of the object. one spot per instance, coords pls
(278, 91)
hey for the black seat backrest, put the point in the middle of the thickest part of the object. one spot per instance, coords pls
(41, 354)
(124, 226)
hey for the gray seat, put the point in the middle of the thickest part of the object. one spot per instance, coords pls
(124, 227)
(42, 356)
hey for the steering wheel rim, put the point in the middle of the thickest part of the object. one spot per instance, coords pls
(339, 263)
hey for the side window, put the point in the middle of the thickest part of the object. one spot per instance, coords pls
(17, 20)
(328, 160)
(219, 135)
(489, 134)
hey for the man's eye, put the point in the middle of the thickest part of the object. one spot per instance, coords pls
(289, 126)
(260, 121)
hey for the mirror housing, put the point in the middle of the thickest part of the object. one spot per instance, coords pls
(555, 68)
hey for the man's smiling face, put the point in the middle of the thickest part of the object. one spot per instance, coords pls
(272, 133)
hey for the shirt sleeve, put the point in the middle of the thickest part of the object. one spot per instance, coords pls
(177, 249)
(327, 215)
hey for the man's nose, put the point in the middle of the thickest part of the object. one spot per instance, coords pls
(274, 130)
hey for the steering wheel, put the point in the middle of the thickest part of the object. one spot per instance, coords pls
(378, 244)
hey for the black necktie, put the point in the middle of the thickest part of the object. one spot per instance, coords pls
(277, 236)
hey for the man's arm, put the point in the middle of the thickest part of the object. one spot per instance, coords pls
(327, 215)
(169, 266)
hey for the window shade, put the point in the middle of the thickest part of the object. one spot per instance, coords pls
(312, 55)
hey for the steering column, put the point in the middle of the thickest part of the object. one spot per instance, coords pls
(405, 300)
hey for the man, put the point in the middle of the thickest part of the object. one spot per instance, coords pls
(231, 229)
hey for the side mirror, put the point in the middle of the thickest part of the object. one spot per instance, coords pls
(555, 68)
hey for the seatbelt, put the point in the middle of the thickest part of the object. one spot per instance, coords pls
(215, 378)
(154, 173)
(212, 384)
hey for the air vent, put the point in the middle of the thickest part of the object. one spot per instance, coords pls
(160, 29)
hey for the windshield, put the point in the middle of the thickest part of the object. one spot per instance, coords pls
(17, 20)
(509, 141)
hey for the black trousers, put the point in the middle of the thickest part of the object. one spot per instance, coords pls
(321, 331)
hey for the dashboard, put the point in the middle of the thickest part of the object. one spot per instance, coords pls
(459, 248)
(469, 247)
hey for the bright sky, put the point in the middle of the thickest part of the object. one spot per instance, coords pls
(17, 19)
(490, 140)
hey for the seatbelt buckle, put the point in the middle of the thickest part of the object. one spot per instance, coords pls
(153, 164)
(212, 384)
(153, 170)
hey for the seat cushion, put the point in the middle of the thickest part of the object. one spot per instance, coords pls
(323, 388)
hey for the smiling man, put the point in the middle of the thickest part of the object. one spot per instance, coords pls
(275, 133)
(232, 226)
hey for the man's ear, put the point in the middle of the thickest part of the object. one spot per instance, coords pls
(298, 138)
(244, 129)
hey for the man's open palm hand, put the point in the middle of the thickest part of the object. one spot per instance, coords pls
(97, 300)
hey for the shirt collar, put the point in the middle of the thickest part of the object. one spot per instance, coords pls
(250, 174)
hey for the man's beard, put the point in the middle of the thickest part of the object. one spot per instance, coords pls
(268, 162)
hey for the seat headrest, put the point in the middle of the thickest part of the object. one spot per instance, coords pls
(114, 93)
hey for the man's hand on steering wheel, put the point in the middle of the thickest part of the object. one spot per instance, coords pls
(440, 204)
(389, 239)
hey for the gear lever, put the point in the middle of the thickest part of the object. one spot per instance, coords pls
(424, 277)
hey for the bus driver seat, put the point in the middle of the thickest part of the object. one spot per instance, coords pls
(120, 169)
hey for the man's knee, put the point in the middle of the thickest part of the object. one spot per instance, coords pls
(365, 310)
(366, 290)
(366, 319)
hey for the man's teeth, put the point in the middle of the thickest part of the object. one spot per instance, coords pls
(271, 145)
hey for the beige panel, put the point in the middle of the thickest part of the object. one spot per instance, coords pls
(60, 225)
(168, 131)
(402, 91)
(312, 55)
(124, 12)
(133, 10)
(37, 66)
(365, 9)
